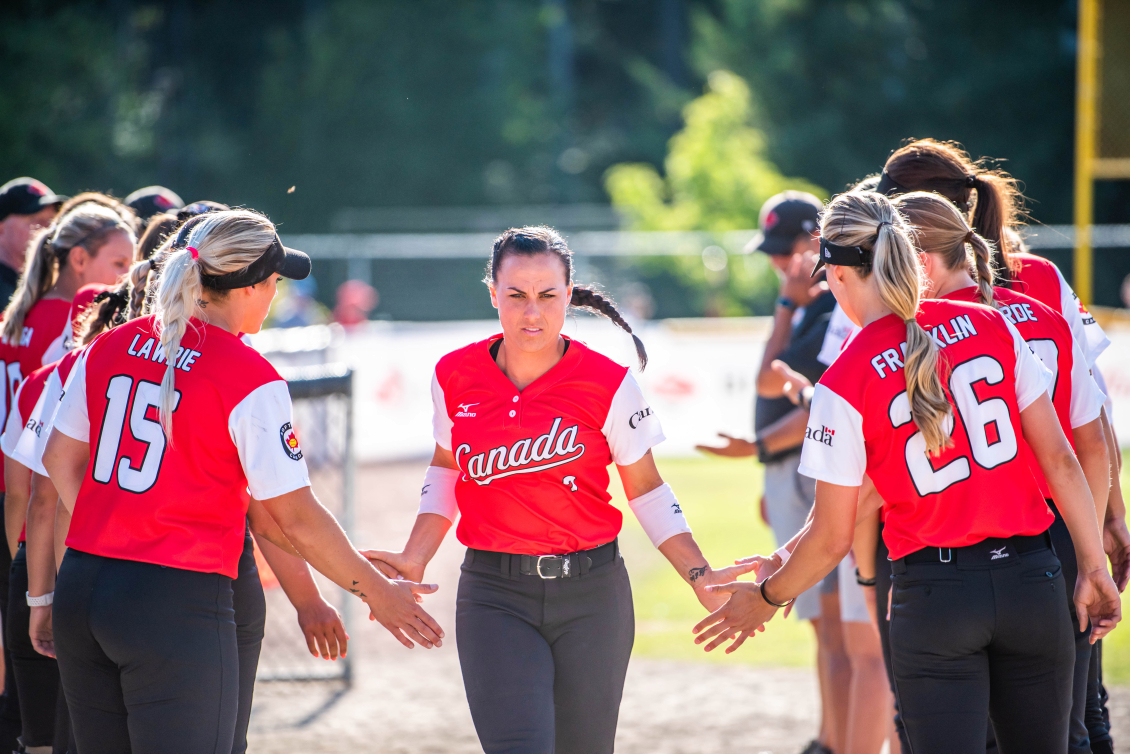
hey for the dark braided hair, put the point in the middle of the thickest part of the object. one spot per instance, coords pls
(541, 239)
(108, 310)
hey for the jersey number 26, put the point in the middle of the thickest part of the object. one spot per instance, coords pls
(132, 477)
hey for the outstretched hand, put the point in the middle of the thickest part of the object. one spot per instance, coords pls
(712, 600)
(395, 565)
(744, 613)
(397, 610)
(735, 447)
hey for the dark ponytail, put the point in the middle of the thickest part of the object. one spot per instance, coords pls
(106, 312)
(590, 299)
(541, 239)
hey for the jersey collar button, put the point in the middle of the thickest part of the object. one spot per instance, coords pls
(513, 413)
(515, 399)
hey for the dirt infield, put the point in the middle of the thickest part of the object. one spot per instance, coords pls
(412, 701)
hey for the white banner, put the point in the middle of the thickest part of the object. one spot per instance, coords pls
(699, 378)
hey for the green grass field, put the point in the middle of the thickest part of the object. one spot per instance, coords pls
(720, 497)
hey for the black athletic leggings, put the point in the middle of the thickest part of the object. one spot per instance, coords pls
(43, 710)
(147, 656)
(1079, 741)
(983, 637)
(544, 660)
(250, 617)
(9, 700)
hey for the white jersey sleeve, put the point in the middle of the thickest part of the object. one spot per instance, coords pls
(260, 426)
(840, 331)
(14, 427)
(1032, 377)
(37, 428)
(1086, 397)
(1097, 374)
(71, 418)
(441, 422)
(1084, 328)
(833, 449)
(631, 428)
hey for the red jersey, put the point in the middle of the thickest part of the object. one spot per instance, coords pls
(1042, 280)
(12, 376)
(47, 327)
(535, 461)
(1075, 396)
(860, 423)
(29, 448)
(26, 397)
(176, 503)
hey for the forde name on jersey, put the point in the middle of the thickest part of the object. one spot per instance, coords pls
(152, 350)
(946, 334)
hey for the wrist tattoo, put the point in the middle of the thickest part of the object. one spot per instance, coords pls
(697, 573)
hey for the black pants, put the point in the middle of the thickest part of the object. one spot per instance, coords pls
(544, 660)
(1098, 717)
(882, 590)
(147, 656)
(10, 724)
(979, 638)
(43, 709)
(250, 617)
(1079, 741)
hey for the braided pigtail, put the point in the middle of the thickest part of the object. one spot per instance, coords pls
(590, 299)
(982, 260)
(107, 312)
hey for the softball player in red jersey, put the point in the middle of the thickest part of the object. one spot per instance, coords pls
(932, 403)
(90, 241)
(525, 424)
(942, 234)
(165, 421)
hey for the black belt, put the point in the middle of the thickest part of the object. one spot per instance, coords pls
(993, 551)
(571, 565)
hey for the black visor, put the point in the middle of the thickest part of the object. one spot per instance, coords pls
(290, 263)
(851, 256)
(889, 187)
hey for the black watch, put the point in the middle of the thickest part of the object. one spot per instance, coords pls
(786, 302)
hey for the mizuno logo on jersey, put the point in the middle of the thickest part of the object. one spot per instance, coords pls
(960, 328)
(152, 350)
(523, 457)
(465, 410)
(821, 434)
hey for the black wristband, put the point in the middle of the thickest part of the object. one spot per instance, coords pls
(806, 394)
(771, 602)
(864, 582)
(786, 302)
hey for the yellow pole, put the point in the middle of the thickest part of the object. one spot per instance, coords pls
(1085, 86)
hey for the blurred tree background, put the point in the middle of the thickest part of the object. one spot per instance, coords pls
(434, 103)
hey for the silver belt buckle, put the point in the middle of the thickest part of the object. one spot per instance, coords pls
(564, 566)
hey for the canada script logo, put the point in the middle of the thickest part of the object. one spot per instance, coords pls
(822, 434)
(523, 457)
(638, 417)
(290, 442)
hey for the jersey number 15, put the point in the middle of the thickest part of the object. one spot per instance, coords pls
(132, 478)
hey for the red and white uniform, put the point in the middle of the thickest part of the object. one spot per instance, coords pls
(177, 503)
(27, 395)
(861, 423)
(29, 446)
(12, 376)
(1043, 281)
(534, 463)
(1075, 396)
(47, 327)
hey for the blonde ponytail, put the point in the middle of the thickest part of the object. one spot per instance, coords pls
(224, 242)
(87, 223)
(869, 220)
(941, 230)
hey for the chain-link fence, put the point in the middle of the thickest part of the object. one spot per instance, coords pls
(323, 411)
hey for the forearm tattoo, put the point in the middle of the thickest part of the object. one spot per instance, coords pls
(357, 591)
(697, 573)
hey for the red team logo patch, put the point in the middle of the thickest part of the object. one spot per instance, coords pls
(290, 442)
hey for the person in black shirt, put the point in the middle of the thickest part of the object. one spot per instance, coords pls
(788, 224)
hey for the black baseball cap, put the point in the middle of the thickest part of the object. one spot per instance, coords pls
(290, 263)
(26, 196)
(783, 218)
(152, 200)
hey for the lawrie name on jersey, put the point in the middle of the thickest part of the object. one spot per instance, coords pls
(523, 457)
(946, 334)
(152, 350)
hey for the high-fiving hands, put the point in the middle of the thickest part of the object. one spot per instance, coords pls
(744, 612)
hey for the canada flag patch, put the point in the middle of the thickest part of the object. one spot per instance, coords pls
(290, 442)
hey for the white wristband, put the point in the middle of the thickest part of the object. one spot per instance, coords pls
(42, 601)
(783, 553)
(659, 514)
(438, 493)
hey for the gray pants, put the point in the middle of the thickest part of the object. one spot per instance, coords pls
(789, 496)
(544, 660)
